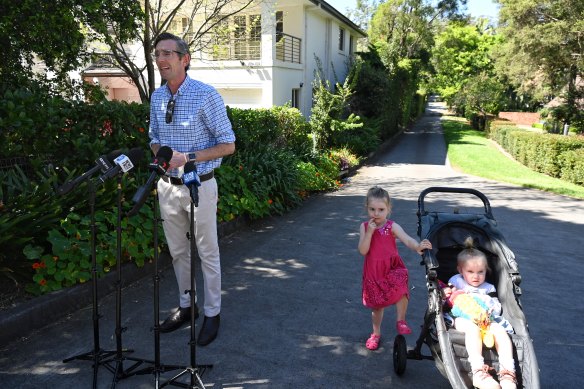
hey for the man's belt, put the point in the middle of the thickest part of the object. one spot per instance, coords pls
(179, 181)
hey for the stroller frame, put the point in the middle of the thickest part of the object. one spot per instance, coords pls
(447, 232)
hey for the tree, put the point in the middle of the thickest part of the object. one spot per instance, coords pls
(404, 28)
(363, 12)
(543, 49)
(480, 95)
(50, 34)
(198, 20)
(461, 52)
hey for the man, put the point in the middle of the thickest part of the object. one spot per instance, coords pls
(189, 117)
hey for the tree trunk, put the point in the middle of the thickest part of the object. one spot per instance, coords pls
(571, 100)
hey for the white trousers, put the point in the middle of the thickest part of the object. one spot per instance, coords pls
(175, 210)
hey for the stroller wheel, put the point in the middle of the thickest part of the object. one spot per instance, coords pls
(400, 354)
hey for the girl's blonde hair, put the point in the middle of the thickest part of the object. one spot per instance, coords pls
(378, 193)
(470, 252)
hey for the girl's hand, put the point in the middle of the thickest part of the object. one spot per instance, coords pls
(447, 292)
(372, 226)
(424, 245)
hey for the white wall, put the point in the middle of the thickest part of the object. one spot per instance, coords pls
(268, 82)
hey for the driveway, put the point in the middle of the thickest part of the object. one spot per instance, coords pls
(292, 315)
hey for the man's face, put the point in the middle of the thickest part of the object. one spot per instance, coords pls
(170, 65)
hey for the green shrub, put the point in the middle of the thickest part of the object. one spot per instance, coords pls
(550, 154)
(258, 183)
(46, 237)
(68, 261)
(572, 166)
(344, 158)
(282, 127)
(322, 173)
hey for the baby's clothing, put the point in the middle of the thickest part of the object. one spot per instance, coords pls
(385, 276)
(482, 292)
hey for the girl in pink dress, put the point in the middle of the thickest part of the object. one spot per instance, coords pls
(385, 276)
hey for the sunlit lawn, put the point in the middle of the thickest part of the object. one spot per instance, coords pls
(471, 152)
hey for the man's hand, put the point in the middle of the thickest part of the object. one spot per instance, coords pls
(178, 159)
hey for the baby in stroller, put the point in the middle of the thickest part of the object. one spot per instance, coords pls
(479, 318)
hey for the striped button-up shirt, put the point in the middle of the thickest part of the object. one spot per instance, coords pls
(199, 121)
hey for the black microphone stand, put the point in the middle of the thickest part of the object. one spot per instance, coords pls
(194, 369)
(97, 354)
(115, 364)
(157, 367)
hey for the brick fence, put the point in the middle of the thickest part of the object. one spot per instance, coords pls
(527, 118)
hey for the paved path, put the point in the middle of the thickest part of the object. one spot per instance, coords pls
(292, 315)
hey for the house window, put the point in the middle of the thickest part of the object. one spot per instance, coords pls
(221, 49)
(296, 98)
(279, 25)
(180, 26)
(238, 37)
(341, 39)
(351, 44)
(247, 36)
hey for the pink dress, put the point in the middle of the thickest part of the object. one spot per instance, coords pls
(385, 276)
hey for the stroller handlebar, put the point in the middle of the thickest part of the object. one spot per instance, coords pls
(430, 260)
(442, 189)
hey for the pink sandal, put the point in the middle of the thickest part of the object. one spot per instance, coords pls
(373, 342)
(402, 327)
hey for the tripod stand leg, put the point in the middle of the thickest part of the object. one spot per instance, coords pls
(196, 381)
(194, 369)
(97, 354)
(118, 369)
(156, 367)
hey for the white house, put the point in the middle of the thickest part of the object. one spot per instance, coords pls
(267, 55)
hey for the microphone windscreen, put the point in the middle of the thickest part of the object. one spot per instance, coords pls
(113, 155)
(165, 153)
(190, 167)
(190, 176)
(136, 154)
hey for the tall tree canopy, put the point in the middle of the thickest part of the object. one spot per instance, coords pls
(461, 52)
(405, 28)
(53, 34)
(544, 48)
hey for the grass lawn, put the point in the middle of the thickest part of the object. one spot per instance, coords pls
(471, 152)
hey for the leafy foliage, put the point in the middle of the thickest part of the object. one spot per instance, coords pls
(56, 32)
(480, 95)
(460, 53)
(330, 113)
(549, 154)
(47, 238)
(404, 28)
(543, 53)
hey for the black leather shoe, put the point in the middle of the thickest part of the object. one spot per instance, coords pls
(209, 331)
(176, 319)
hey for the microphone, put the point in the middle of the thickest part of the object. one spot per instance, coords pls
(123, 163)
(158, 166)
(103, 163)
(192, 181)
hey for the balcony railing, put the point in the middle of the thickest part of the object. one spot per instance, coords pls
(288, 49)
(234, 49)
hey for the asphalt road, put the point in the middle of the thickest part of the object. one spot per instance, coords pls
(292, 315)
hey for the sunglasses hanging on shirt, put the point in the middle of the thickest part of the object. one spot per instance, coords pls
(169, 110)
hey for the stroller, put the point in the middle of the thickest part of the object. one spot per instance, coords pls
(447, 232)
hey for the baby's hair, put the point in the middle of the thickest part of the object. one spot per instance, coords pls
(470, 252)
(377, 193)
